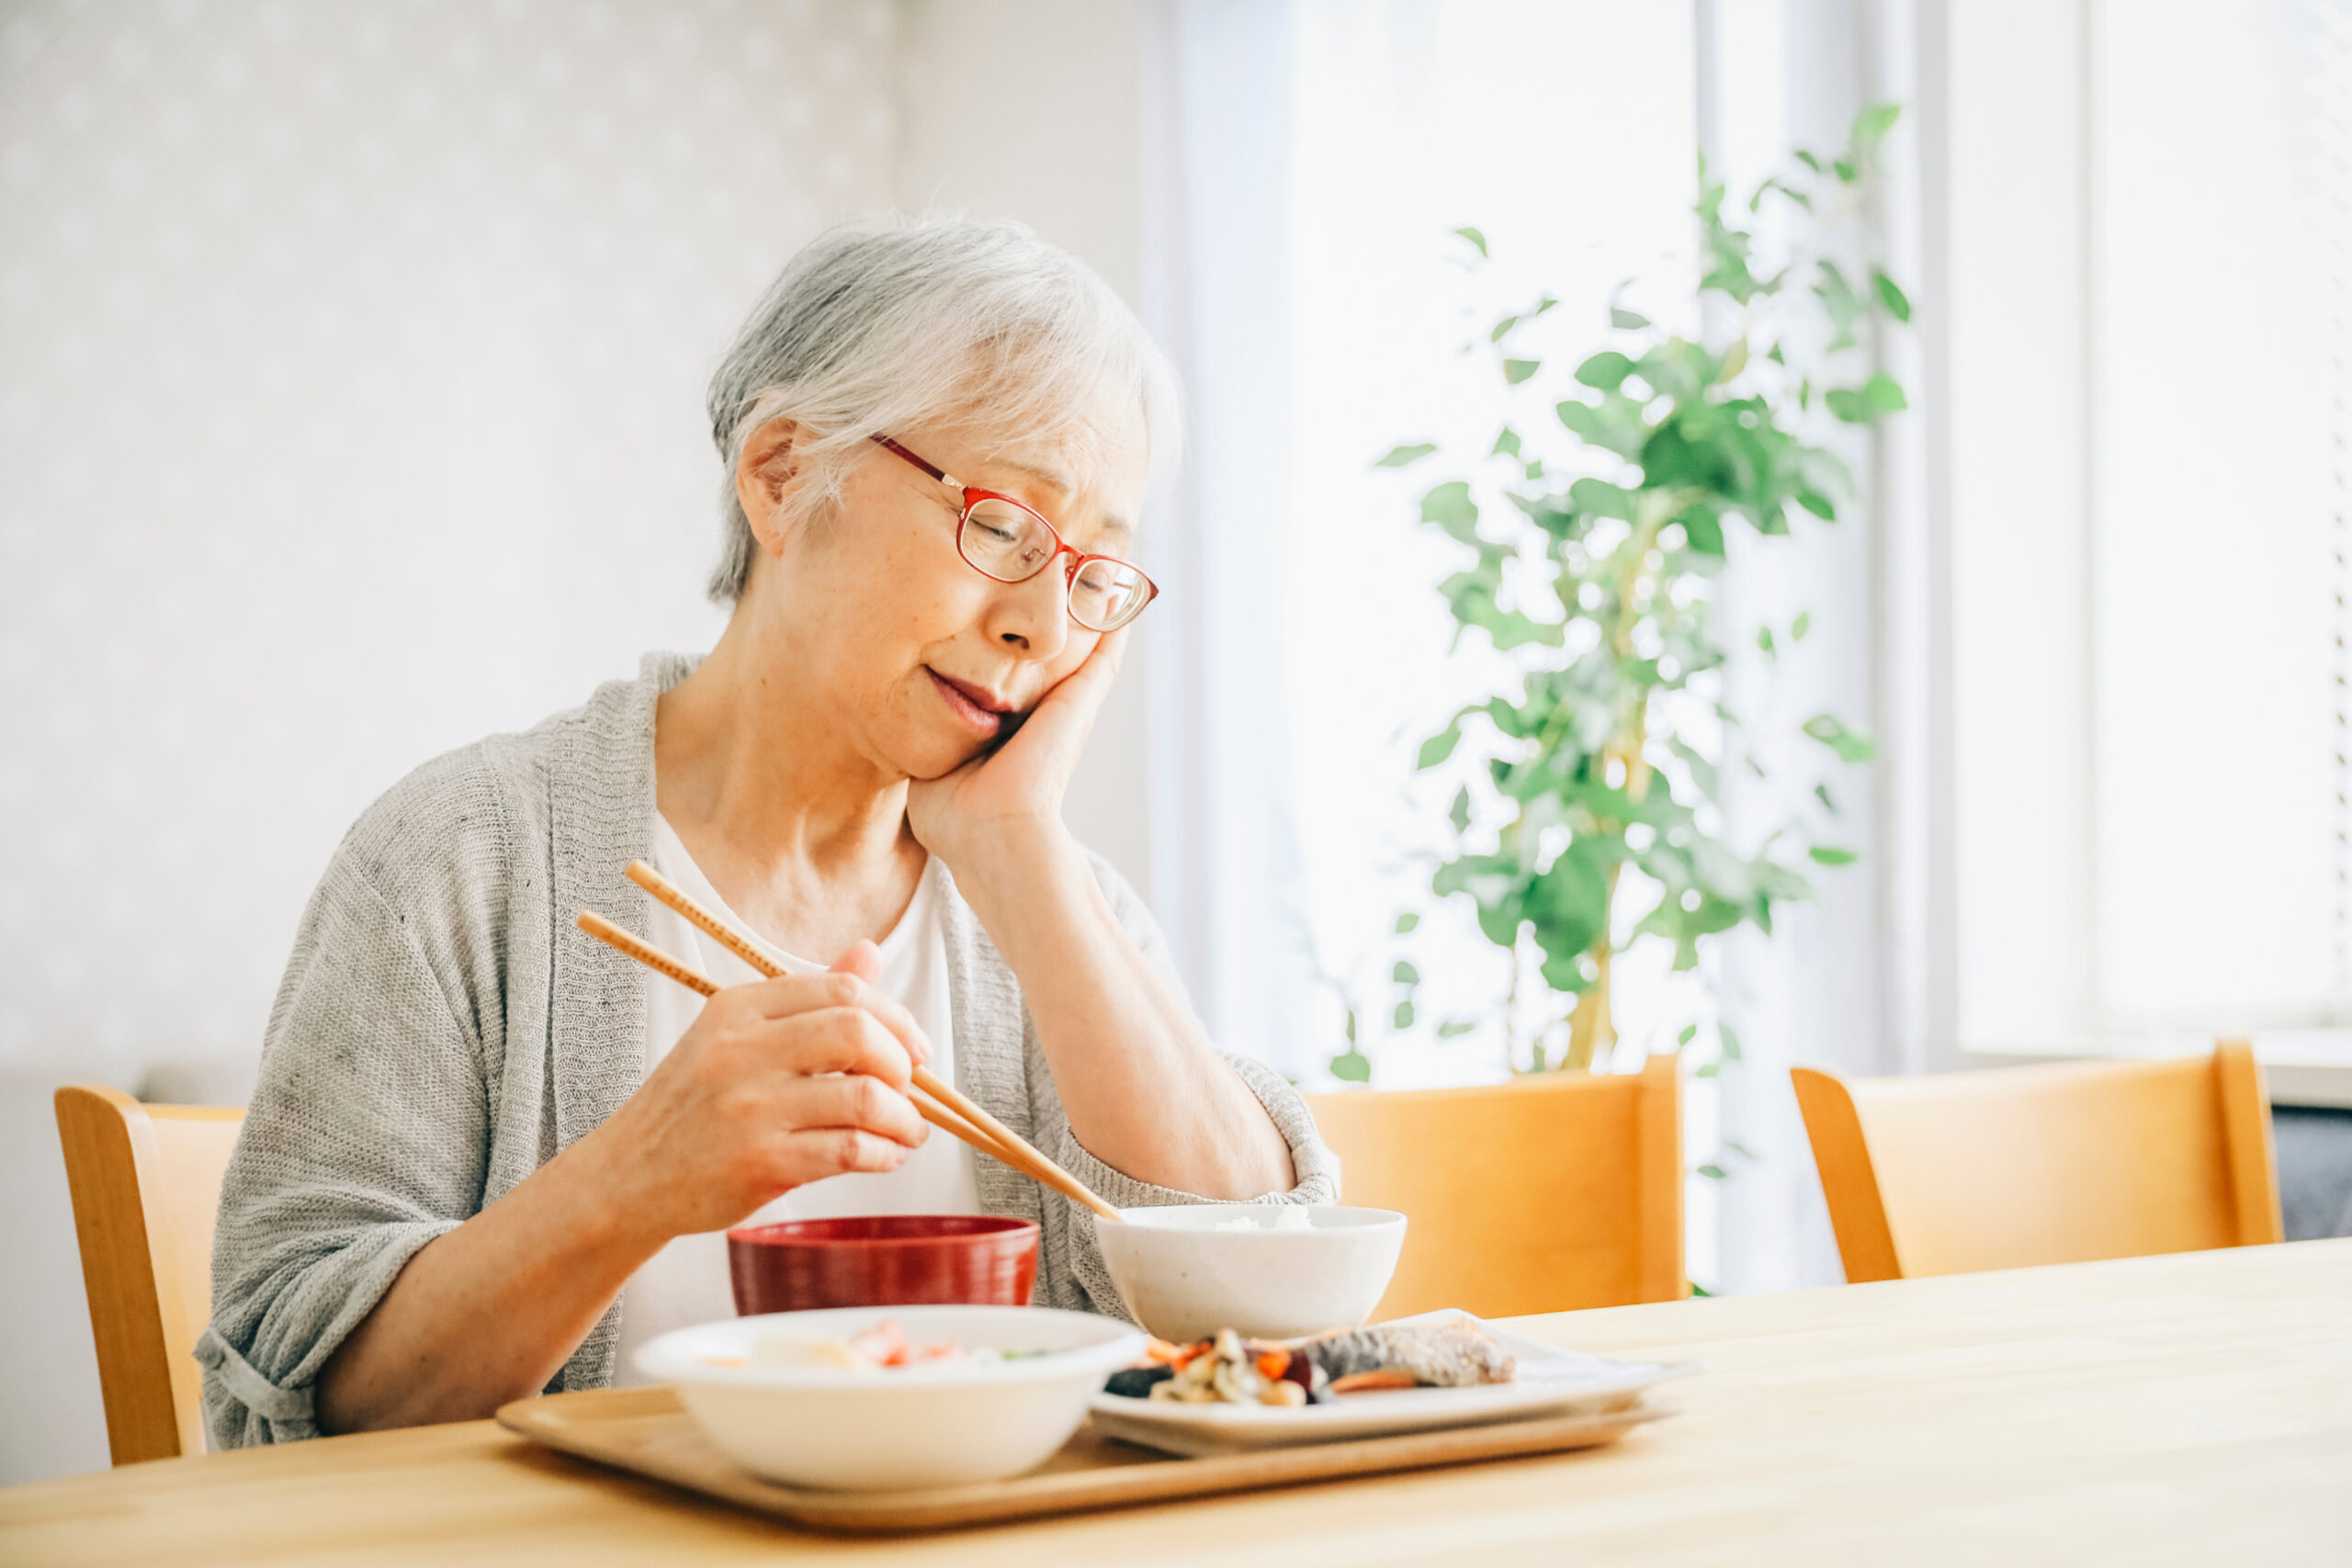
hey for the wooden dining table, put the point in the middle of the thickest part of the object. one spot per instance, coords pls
(2186, 1409)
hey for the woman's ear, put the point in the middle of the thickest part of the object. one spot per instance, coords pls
(770, 465)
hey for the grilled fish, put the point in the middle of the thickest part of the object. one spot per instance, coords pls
(1448, 1355)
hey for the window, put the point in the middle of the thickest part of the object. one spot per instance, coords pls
(2218, 550)
(1565, 134)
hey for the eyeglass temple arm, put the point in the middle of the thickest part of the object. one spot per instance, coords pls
(942, 475)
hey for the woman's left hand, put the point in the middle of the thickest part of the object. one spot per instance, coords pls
(1005, 798)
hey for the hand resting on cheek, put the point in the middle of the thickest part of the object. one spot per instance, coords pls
(1014, 791)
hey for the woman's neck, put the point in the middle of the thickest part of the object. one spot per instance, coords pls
(803, 836)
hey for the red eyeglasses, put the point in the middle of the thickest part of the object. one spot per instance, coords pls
(1000, 537)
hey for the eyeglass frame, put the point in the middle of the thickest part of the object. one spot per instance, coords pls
(972, 495)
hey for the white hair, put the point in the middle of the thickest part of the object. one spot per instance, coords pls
(882, 327)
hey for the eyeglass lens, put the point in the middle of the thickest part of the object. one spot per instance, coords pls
(1012, 545)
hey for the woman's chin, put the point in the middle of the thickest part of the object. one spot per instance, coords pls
(937, 756)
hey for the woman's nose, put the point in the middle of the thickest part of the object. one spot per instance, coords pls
(1034, 616)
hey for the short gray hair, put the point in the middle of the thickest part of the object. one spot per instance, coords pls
(878, 327)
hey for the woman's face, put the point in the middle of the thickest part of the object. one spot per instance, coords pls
(917, 657)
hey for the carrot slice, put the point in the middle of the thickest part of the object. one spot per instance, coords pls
(1371, 1382)
(1274, 1364)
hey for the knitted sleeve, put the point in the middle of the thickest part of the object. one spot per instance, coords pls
(368, 1133)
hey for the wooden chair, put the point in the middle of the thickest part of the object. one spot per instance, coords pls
(2015, 1166)
(146, 1179)
(1541, 1195)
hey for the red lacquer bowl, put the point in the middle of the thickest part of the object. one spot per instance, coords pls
(882, 1261)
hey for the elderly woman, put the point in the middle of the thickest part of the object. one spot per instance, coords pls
(487, 1155)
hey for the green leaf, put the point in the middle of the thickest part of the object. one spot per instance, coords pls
(1703, 772)
(1626, 321)
(1838, 302)
(1406, 921)
(1713, 1172)
(1570, 903)
(1821, 794)
(1351, 1066)
(1802, 624)
(1689, 1033)
(1764, 640)
(1517, 370)
(1450, 507)
(1704, 530)
(1616, 425)
(1897, 303)
(1397, 457)
(1734, 362)
(1505, 443)
(1459, 812)
(1599, 498)
(1403, 1013)
(1405, 974)
(1605, 371)
(1852, 745)
(1502, 327)
(1730, 1039)
(1439, 747)
(1846, 170)
(1454, 1027)
(1885, 394)
(1708, 1069)
(1847, 405)
(1825, 854)
(1872, 125)
(1677, 368)
(1475, 238)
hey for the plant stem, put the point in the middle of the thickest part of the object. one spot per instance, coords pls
(1591, 1029)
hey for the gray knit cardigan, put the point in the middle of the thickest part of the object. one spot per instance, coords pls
(443, 1030)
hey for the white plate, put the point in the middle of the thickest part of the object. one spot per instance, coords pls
(1551, 1383)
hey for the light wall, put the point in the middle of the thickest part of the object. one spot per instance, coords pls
(351, 374)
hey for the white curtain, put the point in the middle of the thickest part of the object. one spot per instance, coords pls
(1216, 138)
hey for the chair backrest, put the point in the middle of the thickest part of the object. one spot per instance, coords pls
(146, 1182)
(1543, 1195)
(2065, 1163)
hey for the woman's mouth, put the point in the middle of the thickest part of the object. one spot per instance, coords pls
(979, 709)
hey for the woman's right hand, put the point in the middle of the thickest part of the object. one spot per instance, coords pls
(777, 1084)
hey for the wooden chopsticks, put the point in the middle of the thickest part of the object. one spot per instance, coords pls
(938, 1102)
(693, 980)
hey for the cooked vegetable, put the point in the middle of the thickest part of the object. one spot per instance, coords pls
(1134, 1382)
(1229, 1370)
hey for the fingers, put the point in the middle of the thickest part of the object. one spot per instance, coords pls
(855, 1102)
(862, 960)
(797, 994)
(1082, 690)
(811, 1153)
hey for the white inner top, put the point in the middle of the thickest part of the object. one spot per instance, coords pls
(687, 1282)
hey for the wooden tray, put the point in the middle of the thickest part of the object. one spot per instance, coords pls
(646, 1431)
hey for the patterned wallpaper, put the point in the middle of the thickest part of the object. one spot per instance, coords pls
(351, 359)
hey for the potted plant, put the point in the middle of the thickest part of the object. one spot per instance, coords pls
(1592, 820)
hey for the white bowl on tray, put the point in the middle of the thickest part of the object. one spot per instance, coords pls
(1266, 1270)
(861, 1429)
